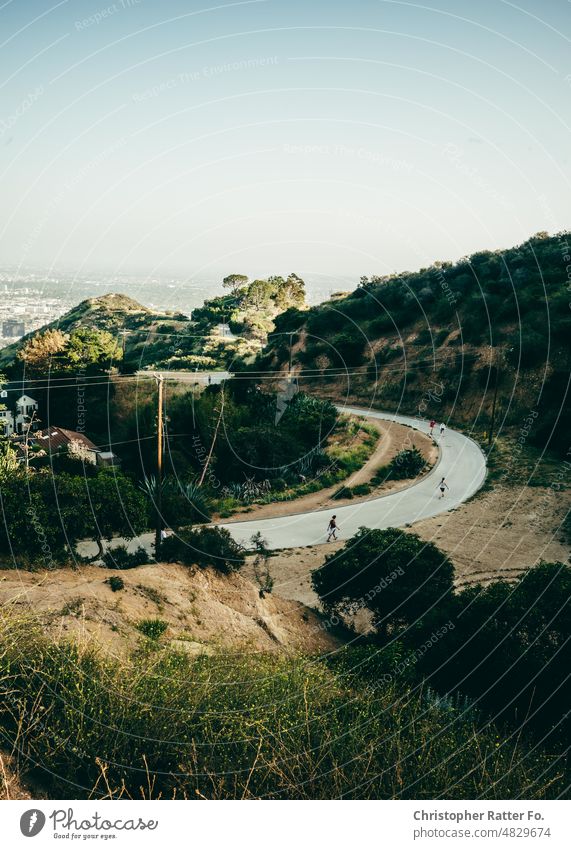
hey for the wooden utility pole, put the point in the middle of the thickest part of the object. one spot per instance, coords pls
(493, 418)
(158, 499)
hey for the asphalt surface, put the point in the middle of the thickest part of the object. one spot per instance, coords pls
(461, 462)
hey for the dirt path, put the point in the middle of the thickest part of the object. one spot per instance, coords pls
(394, 437)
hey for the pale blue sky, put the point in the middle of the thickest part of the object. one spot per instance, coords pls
(323, 137)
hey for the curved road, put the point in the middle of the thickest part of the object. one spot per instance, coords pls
(461, 461)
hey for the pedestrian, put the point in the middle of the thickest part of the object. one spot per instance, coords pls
(442, 429)
(332, 528)
(432, 426)
(442, 486)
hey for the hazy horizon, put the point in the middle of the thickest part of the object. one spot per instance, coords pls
(267, 136)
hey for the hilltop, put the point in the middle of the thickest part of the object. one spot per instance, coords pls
(440, 341)
(114, 313)
(225, 330)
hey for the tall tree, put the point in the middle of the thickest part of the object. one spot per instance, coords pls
(234, 282)
(43, 350)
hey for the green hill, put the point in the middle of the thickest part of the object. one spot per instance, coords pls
(140, 329)
(437, 342)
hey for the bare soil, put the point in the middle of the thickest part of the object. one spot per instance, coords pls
(203, 609)
(497, 535)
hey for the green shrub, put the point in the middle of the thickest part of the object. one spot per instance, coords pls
(343, 492)
(116, 583)
(361, 489)
(395, 575)
(120, 558)
(510, 649)
(408, 463)
(204, 547)
(152, 628)
(279, 484)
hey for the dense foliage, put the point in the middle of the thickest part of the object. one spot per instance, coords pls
(204, 547)
(239, 726)
(395, 575)
(510, 649)
(506, 646)
(436, 341)
(44, 516)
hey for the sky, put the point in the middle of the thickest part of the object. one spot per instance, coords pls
(268, 136)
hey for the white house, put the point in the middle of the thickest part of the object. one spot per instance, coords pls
(25, 409)
(6, 422)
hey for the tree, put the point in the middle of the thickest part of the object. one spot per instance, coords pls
(90, 348)
(395, 575)
(42, 350)
(45, 516)
(8, 460)
(235, 282)
(259, 294)
(510, 648)
(290, 292)
(114, 508)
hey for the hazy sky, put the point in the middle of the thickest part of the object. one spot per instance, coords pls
(266, 136)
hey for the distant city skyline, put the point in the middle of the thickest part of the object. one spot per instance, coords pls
(330, 139)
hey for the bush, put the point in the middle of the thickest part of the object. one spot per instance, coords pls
(279, 485)
(361, 489)
(120, 558)
(204, 547)
(395, 575)
(343, 492)
(510, 649)
(348, 348)
(116, 583)
(407, 464)
(152, 628)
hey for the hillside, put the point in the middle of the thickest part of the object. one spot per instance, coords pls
(225, 331)
(202, 610)
(114, 313)
(437, 342)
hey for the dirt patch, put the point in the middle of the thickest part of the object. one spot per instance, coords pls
(291, 570)
(11, 784)
(497, 535)
(393, 438)
(202, 609)
(501, 533)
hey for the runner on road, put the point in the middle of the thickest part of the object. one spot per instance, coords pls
(442, 429)
(442, 486)
(332, 528)
(432, 426)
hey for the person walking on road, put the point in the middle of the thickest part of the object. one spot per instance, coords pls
(442, 486)
(332, 528)
(432, 426)
(442, 429)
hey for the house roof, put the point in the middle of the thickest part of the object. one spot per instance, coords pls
(54, 438)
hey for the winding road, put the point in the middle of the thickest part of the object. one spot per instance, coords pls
(461, 462)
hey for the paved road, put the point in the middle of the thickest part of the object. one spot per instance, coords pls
(461, 462)
(191, 377)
